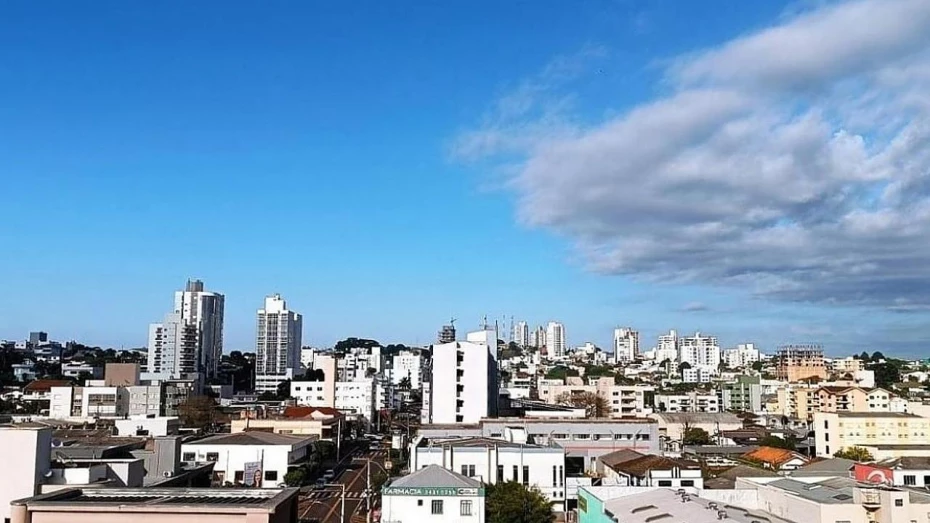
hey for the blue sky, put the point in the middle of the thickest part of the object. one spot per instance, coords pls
(327, 152)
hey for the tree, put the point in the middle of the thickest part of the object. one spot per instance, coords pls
(865, 356)
(886, 374)
(295, 477)
(355, 343)
(594, 405)
(695, 436)
(197, 411)
(877, 357)
(683, 366)
(560, 373)
(757, 366)
(779, 443)
(511, 502)
(284, 390)
(860, 454)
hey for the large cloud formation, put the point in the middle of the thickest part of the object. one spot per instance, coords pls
(793, 162)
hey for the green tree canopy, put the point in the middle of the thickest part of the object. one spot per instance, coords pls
(757, 366)
(865, 356)
(886, 374)
(877, 356)
(511, 502)
(560, 373)
(855, 453)
(352, 343)
(775, 441)
(695, 436)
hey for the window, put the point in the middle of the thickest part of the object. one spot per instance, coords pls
(465, 508)
(189, 456)
(665, 483)
(500, 473)
(827, 450)
(927, 481)
(515, 472)
(238, 476)
(526, 475)
(213, 456)
(419, 502)
(468, 470)
(555, 476)
(826, 437)
(561, 477)
(437, 506)
(582, 436)
(899, 502)
(271, 475)
(910, 479)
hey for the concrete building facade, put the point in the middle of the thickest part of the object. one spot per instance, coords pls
(278, 338)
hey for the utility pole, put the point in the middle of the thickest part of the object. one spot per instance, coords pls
(338, 438)
(368, 494)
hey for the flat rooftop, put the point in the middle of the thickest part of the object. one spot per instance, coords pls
(666, 505)
(161, 500)
(876, 415)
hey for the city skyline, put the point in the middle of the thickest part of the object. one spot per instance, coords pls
(147, 145)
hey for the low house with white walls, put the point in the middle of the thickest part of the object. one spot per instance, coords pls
(247, 458)
(433, 494)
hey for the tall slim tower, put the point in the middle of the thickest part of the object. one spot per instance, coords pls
(189, 343)
(521, 334)
(626, 344)
(278, 340)
(555, 339)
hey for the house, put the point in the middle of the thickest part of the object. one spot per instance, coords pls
(825, 467)
(648, 470)
(672, 425)
(319, 422)
(264, 455)
(159, 505)
(494, 461)
(41, 390)
(431, 494)
(775, 458)
(726, 479)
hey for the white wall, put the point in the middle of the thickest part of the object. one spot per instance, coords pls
(417, 509)
(25, 455)
(232, 458)
(475, 381)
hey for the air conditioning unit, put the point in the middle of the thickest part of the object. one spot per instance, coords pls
(168, 473)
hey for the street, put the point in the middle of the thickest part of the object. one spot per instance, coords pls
(324, 505)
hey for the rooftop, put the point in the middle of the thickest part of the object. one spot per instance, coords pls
(641, 466)
(161, 500)
(311, 412)
(773, 455)
(698, 417)
(45, 385)
(435, 476)
(482, 442)
(619, 456)
(663, 505)
(906, 463)
(839, 466)
(876, 415)
(251, 438)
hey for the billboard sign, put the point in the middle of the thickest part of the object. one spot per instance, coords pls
(873, 474)
(253, 474)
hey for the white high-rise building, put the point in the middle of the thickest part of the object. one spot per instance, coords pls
(521, 334)
(463, 384)
(699, 350)
(626, 344)
(744, 355)
(667, 348)
(555, 339)
(189, 343)
(538, 337)
(278, 338)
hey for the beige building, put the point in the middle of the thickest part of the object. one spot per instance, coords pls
(853, 399)
(848, 365)
(800, 362)
(887, 434)
(623, 400)
(159, 505)
(797, 402)
(26, 457)
(322, 422)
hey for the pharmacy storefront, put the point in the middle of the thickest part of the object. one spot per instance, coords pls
(425, 504)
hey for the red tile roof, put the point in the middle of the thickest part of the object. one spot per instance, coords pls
(45, 385)
(773, 456)
(305, 412)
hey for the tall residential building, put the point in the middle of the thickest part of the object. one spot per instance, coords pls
(626, 345)
(521, 334)
(189, 342)
(699, 350)
(538, 339)
(744, 355)
(555, 339)
(447, 333)
(278, 339)
(463, 384)
(667, 348)
(799, 362)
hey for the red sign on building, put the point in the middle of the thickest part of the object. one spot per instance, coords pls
(873, 474)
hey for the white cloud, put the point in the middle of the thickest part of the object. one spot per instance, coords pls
(794, 161)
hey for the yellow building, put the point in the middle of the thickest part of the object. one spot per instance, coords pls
(885, 434)
(798, 402)
(853, 399)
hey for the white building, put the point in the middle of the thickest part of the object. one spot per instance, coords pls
(521, 334)
(74, 369)
(667, 348)
(356, 397)
(190, 340)
(743, 356)
(538, 337)
(463, 383)
(433, 494)
(626, 345)
(494, 461)
(232, 454)
(105, 402)
(407, 364)
(699, 351)
(306, 357)
(148, 427)
(26, 457)
(691, 402)
(278, 340)
(696, 375)
(555, 339)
